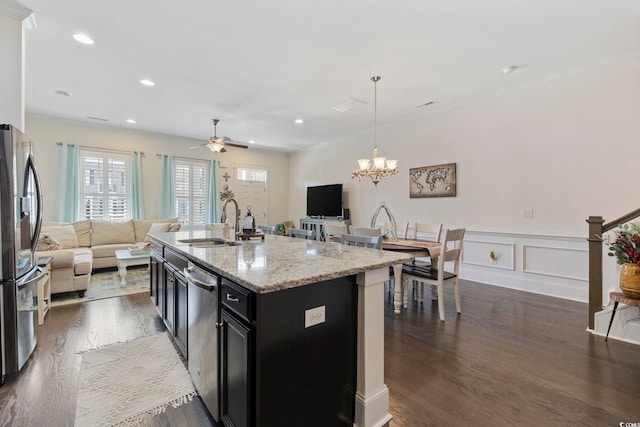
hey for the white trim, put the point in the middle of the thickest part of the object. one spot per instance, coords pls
(15, 10)
(511, 266)
(549, 273)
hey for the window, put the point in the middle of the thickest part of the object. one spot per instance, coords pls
(191, 178)
(104, 187)
(253, 175)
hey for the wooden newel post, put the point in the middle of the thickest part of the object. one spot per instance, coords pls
(595, 267)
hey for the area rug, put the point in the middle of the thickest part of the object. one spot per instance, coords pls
(106, 284)
(123, 384)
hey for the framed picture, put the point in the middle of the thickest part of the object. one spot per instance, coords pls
(433, 181)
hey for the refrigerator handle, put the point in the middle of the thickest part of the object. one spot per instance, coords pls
(31, 166)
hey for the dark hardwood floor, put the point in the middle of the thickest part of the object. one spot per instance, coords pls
(512, 358)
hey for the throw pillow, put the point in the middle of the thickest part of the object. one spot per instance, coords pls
(157, 228)
(47, 242)
(65, 235)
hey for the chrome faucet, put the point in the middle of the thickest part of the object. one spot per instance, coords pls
(224, 216)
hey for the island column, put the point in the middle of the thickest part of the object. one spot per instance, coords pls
(372, 394)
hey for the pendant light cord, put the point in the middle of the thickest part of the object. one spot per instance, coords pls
(375, 80)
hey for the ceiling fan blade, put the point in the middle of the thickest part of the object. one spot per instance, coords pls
(231, 144)
(198, 146)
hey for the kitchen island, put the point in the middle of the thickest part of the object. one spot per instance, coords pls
(302, 315)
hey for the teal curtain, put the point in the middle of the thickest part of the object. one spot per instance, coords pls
(167, 208)
(136, 200)
(212, 191)
(67, 204)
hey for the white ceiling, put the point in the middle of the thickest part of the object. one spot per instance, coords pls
(259, 65)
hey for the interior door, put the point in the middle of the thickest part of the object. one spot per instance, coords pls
(254, 194)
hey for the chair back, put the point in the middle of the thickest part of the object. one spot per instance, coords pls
(428, 232)
(366, 231)
(333, 231)
(267, 229)
(373, 242)
(402, 230)
(302, 234)
(451, 248)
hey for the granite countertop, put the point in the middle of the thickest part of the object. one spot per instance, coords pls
(280, 262)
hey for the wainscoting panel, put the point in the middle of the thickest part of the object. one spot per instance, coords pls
(477, 253)
(549, 264)
(559, 262)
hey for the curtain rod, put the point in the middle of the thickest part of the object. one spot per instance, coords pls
(111, 150)
(159, 155)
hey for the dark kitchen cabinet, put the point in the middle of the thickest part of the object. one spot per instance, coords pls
(175, 318)
(170, 298)
(157, 285)
(181, 322)
(235, 374)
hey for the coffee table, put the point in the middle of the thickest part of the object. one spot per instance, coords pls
(125, 259)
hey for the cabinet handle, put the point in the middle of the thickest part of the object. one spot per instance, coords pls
(220, 324)
(232, 298)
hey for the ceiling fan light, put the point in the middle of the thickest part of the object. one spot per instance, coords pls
(216, 147)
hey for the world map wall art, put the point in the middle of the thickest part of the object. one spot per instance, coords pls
(433, 181)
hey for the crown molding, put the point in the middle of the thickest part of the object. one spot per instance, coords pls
(15, 10)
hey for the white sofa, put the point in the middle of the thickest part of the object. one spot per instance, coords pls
(88, 245)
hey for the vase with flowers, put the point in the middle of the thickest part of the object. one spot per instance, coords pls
(626, 249)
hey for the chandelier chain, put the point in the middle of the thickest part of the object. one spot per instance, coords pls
(379, 168)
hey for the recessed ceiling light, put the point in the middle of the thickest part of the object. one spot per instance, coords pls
(62, 92)
(83, 38)
(252, 142)
(509, 69)
(299, 121)
(147, 82)
(131, 121)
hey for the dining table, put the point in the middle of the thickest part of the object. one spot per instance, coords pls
(416, 248)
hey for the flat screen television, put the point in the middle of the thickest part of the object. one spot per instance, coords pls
(324, 200)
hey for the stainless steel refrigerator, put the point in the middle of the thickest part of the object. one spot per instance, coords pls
(20, 220)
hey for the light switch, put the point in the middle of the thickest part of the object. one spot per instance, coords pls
(314, 316)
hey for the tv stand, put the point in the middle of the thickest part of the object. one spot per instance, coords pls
(317, 224)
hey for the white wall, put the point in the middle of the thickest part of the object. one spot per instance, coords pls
(46, 131)
(567, 147)
(12, 71)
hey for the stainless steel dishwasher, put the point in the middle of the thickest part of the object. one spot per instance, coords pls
(203, 336)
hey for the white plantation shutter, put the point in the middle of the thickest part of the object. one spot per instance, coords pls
(104, 187)
(191, 177)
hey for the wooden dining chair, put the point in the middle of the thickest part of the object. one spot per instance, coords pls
(438, 277)
(302, 234)
(333, 231)
(402, 230)
(366, 231)
(428, 232)
(268, 229)
(373, 242)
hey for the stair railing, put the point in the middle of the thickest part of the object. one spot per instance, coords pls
(597, 228)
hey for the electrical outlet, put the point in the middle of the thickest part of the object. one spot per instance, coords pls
(314, 316)
(526, 213)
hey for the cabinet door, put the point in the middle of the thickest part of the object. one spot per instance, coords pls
(170, 300)
(153, 277)
(236, 372)
(181, 313)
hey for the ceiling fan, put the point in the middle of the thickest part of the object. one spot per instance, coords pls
(217, 144)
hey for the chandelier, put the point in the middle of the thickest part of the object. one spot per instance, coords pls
(378, 168)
